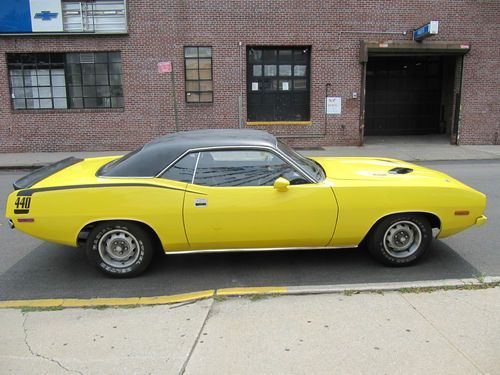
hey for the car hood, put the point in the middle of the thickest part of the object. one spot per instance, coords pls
(377, 169)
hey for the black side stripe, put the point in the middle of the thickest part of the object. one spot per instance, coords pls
(21, 211)
(30, 192)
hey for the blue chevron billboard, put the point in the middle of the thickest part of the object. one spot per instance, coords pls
(31, 16)
(57, 16)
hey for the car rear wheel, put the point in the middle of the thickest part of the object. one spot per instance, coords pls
(400, 240)
(119, 249)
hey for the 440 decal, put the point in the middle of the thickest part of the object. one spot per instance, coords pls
(22, 205)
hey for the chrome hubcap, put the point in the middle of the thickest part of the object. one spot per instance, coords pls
(402, 239)
(118, 248)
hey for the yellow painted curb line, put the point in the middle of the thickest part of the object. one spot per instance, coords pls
(141, 301)
(176, 298)
(251, 290)
(93, 302)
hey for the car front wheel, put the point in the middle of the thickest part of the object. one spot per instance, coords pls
(119, 249)
(400, 240)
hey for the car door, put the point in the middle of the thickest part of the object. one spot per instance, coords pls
(231, 203)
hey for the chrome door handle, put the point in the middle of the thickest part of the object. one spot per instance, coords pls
(200, 202)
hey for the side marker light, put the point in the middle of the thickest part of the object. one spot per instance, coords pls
(26, 220)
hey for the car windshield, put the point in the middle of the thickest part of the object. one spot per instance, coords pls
(313, 168)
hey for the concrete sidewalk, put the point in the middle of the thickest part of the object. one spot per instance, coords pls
(404, 150)
(445, 332)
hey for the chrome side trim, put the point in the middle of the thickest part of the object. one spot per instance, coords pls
(122, 177)
(259, 249)
(195, 167)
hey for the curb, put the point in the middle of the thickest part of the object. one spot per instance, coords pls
(426, 286)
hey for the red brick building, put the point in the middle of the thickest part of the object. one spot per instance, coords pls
(92, 81)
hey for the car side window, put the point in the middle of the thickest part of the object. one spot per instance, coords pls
(243, 168)
(182, 170)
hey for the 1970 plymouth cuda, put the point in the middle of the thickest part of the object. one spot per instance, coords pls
(227, 190)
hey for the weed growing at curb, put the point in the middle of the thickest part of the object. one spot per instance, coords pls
(430, 289)
(104, 307)
(480, 278)
(29, 309)
(258, 297)
(219, 298)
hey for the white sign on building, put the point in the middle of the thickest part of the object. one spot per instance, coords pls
(333, 105)
(46, 16)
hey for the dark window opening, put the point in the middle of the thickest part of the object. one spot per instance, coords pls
(66, 80)
(198, 74)
(278, 83)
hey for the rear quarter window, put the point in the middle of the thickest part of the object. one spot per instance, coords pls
(183, 169)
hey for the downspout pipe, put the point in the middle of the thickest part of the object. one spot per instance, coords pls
(459, 109)
(240, 98)
(362, 105)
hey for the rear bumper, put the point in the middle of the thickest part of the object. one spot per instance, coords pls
(481, 220)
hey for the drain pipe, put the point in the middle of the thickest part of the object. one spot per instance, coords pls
(362, 105)
(240, 98)
(459, 104)
(313, 135)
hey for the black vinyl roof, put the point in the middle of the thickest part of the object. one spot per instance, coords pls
(159, 153)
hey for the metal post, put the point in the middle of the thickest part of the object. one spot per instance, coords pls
(175, 100)
(362, 105)
(240, 98)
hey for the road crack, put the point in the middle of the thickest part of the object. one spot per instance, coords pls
(40, 355)
(193, 347)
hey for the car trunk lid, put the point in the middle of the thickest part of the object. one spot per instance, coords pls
(69, 171)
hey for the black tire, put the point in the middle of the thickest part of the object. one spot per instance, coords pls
(400, 240)
(120, 249)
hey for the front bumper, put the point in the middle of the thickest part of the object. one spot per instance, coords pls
(481, 220)
(11, 224)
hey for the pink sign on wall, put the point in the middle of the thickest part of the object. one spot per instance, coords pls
(165, 67)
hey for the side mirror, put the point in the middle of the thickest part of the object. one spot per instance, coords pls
(281, 184)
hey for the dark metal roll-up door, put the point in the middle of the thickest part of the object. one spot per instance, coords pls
(403, 95)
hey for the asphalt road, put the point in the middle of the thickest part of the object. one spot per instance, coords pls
(30, 268)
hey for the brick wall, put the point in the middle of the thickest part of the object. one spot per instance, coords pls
(159, 29)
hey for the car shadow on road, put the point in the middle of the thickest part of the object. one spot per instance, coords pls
(52, 271)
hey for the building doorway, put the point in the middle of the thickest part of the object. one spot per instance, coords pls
(411, 89)
(403, 95)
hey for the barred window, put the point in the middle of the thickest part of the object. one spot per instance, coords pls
(198, 73)
(278, 87)
(37, 80)
(94, 79)
(66, 80)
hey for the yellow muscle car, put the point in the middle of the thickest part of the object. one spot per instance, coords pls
(238, 190)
